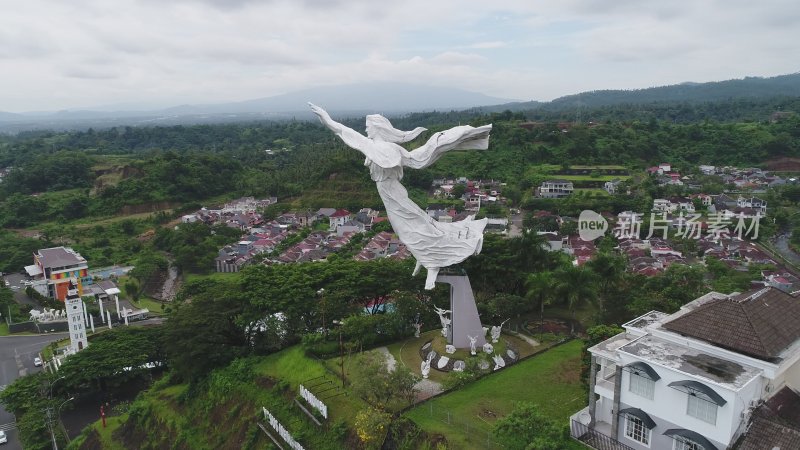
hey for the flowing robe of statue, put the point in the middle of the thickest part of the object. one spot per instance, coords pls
(433, 244)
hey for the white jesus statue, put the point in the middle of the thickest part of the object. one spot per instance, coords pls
(433, 244)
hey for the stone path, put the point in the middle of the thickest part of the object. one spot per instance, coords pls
(391, 363)
(171, 285)
(426, 388)
(531, 341)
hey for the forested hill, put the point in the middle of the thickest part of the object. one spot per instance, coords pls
(109, 169)
(747, 88)
(748, 99)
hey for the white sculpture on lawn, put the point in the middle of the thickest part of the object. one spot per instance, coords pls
(496, 330)
(434, 244)
(472, 341)
(417, 327)
(443, 318)
(425, 367)
(499, 362)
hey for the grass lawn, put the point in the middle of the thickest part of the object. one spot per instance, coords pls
(112, 424)
(599, 167)
(3, 329)
(215, 276)
(550, 380)
(153, 305)
(591, 178)
(293, 366)
(593, 192)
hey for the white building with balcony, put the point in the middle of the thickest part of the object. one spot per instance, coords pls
(693, 379)
(556, 189)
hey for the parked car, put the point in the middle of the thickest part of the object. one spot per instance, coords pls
(27, 283)
(37, 361)
(3, 438)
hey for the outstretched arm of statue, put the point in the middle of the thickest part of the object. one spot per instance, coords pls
(326, 120)
(384, 154)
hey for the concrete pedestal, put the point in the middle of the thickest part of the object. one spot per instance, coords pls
(465, 320)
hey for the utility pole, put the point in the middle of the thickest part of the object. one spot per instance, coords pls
(50, 417)
(341, 354)
(50, 427)
(341, 349)
(321, 293)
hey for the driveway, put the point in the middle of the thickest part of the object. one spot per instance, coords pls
(515, 226)
(15, 283)
(16, 360)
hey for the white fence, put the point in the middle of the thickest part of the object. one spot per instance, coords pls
(314, 401)
(273, 422)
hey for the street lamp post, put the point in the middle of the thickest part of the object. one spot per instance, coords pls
(341, 349)
(56, 418)
(53, 383)
(321, 293)
(50, 417)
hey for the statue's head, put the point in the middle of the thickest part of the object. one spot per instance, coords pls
(379, 127)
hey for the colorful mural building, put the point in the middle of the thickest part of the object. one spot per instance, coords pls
(54, 268)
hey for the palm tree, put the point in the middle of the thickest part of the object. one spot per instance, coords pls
(540, 288)
(609, 268)
(577, 285)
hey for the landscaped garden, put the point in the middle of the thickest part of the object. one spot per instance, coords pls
(550, 380)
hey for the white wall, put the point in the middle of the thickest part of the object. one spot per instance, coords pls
(670, 404)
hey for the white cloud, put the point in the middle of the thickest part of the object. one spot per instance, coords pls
(83, 52)
(489, 44)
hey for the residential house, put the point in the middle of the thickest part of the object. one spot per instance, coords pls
(708, 170)
(662, 205)
(723, 202)
(783, 280)
(247, 204)
(496, 225)
(442, 215)
(705, 199)
(367, 217)
(775, 424)
(325, 213)
(351, 226)
(556, 189)
(673, 204)
(553, 241)
(580, 250)
(612, 186)
(339, 217)
(695, 379)
(752, 202)
(382, 245)
(664, 250)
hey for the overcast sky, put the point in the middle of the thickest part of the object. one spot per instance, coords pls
(84, 53)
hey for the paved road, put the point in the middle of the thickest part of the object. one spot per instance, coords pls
(15, 283)
(782, 245)
(515, 226)
(16, 360)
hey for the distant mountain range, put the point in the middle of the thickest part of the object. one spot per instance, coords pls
(356, 99)
(394, 99)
